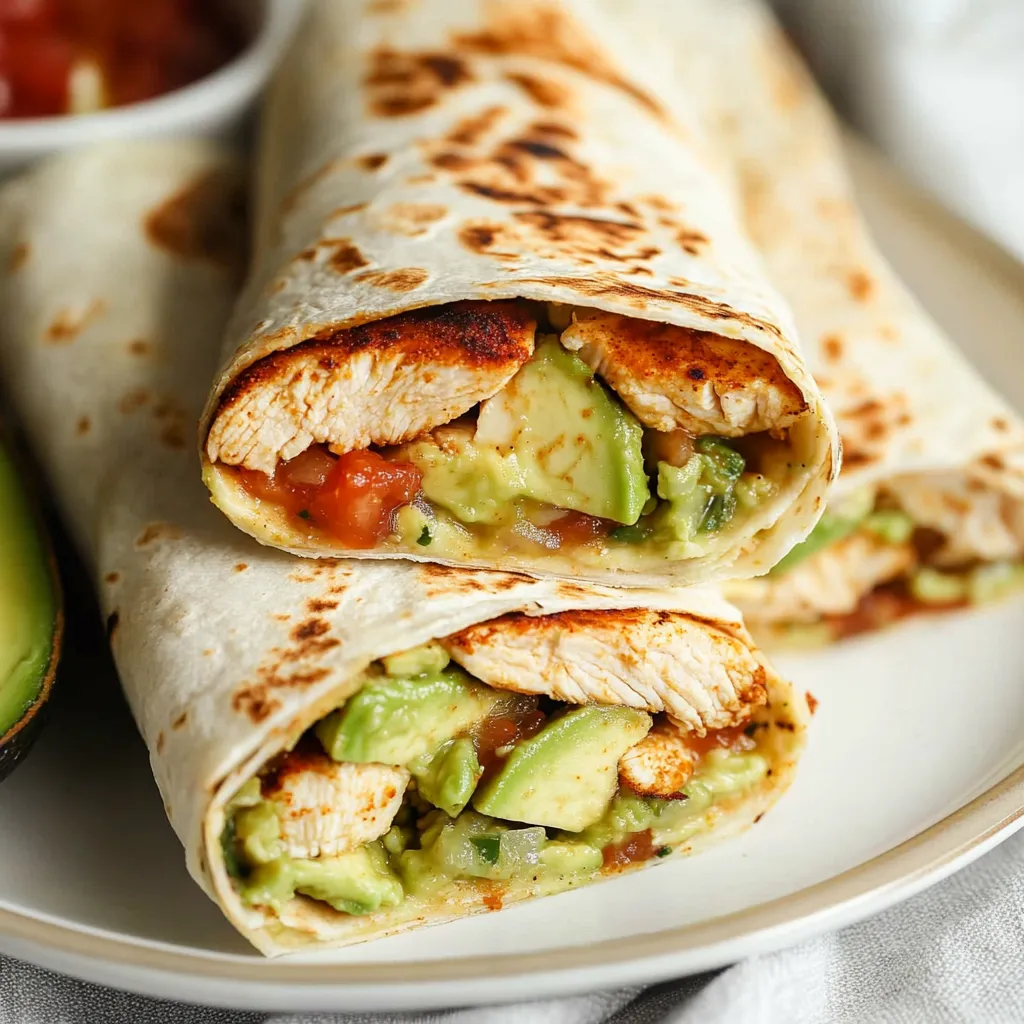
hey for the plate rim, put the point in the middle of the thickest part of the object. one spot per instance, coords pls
(157, 969)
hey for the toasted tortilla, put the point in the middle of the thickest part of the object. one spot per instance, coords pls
(423, 154)
(227, 650)
(907, 401)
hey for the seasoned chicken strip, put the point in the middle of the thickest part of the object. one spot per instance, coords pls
(380, 383)
(729, 387)
(326, 807)
(636, 657)
(830, 582)
(661, 763)
(976, 521)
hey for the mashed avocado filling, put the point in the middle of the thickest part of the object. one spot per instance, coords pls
(503, 790)
(922, 582)
(555, 461)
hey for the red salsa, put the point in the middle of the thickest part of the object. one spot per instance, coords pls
(77, 56)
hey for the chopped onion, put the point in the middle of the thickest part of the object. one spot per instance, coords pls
(519, 849)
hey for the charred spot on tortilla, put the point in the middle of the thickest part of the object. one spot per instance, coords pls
(371, 162)
(113, 620)
(346, 257)
(554, 235)
(157, 531)
(139, 347)
(255, 702)
(470, 130)
(546, 33)
(404, 279)
(860, 284)
(345, 211)
(317, 605)
(386, 6)
(479, 237)
(69, 323)
(112, 577)
(832, 347)
(241, 567)
(1000, 423)
(203, 221)
(180, 720)
(18, 258)
(412, 218)
(853, 457)
(691, 241)
(812, 702)
(160, 742)
(310, 630)
(545, 92)
(83, 426)
(993, 461)
(399, 83)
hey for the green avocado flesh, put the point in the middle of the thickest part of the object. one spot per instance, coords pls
(28, 604)
(566, 775)
(556, 439)
(553, 434)
(541, 818)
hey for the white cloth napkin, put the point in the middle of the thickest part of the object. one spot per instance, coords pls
(939, 85)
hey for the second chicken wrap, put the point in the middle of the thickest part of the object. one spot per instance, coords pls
(502, 315)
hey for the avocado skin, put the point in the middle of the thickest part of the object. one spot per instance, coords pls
(16, 743)
(17, 510)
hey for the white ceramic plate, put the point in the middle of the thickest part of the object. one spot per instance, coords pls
(915, 767)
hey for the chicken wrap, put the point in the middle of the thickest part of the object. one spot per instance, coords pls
(502, 315)
(346, 749)
(929, 509)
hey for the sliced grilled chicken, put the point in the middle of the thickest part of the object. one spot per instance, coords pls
(661, 763)
(327, 807)
(976, 521)
(830, 582)
(674, 377)
(380, 383)
(636, 657)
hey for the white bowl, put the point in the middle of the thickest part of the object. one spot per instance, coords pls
(213, 106)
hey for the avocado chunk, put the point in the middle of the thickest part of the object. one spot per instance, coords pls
(358, 882)
(396, 720)
(566, 775)
(448, 777)
(473, 481)
(29, 617)
(575, 444)
(417, 661)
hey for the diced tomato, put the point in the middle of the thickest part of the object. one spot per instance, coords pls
(35, 70)
(579, 528)
(306, 473)
(638, 847)
(359, 496)
(142, 49)
(734, 738)
(494, 733)
(491, 734)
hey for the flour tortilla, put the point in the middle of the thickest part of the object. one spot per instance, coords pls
(227, 650)
(906, 400)
(397, 137)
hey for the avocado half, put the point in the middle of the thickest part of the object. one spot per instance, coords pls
(31, 617)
